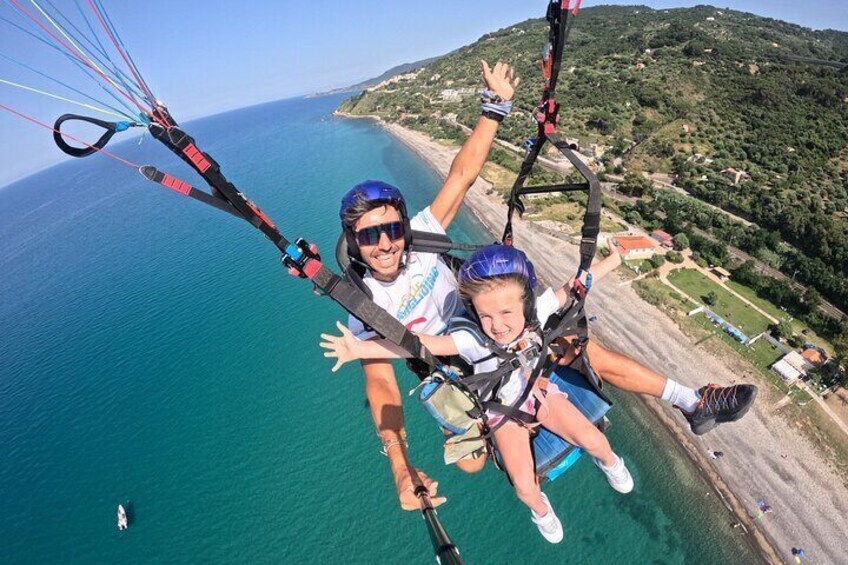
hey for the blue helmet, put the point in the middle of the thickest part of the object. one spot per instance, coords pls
(378, 193)
(498, 260)
(375, 191)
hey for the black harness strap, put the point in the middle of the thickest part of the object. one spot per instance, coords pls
(592, 216)
(429, 242)
(547, 116)
(225, 196)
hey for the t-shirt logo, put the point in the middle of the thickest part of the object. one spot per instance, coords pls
(418, 290)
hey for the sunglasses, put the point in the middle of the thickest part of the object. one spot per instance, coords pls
(371, 235)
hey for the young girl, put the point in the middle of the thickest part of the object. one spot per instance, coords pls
(498, 284)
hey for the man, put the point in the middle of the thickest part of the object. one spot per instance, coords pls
(417, 288)
(420, 290)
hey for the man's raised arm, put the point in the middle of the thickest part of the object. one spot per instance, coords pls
(466, 166)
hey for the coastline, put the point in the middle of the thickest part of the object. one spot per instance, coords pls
(782, 466)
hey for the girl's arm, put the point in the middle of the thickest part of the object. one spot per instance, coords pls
(602, 269)
(346, 347)
(608, 264)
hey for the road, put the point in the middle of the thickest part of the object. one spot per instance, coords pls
(825, 307)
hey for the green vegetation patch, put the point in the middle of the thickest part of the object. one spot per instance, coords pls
(798, 326)
(761, 303)
(763, 354)
(611, 226)
(642, 266)
(501, 178)
(655, 292)
(726, 305)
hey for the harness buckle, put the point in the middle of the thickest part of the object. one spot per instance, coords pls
(579, 289)
(298, 255)
(527, 356)
(547, 114)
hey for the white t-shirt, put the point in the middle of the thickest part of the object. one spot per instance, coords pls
(424, 297)
(470, 350)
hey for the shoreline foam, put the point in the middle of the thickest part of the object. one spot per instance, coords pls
(805, 514)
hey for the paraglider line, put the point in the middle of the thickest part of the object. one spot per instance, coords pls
(157, 114)
(69, 87)
(70, 57)
(78, 56)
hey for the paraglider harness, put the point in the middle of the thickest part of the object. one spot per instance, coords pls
(456, 398)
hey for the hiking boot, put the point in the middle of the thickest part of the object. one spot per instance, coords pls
(549, 525)
(618, 476)
(720, 404)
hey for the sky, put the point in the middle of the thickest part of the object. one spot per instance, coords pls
(205, 57)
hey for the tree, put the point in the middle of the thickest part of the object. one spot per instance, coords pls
(769, 257)
(796, 340)
(710, 298)
(674, 257)
(635, 184)
(633, 217)
(657, 261)
(840, 352)
(781, 329)
(746, 274)
(812, 299)
(680, 241)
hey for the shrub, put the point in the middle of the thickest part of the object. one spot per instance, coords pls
(796, 340)
(680, 242)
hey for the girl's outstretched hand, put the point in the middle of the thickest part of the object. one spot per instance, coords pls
(501, 80)
(612, 248)
(341, 347)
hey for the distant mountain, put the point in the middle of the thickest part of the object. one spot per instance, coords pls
(397, 70)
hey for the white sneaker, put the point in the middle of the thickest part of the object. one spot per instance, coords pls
(618, 476)
(549, 525)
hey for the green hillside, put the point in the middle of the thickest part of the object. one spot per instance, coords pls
(691, 92)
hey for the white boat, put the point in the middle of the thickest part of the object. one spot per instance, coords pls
(122, 518)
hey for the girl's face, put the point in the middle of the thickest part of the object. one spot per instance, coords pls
(501, 311)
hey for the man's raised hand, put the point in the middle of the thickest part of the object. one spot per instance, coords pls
(501, 80)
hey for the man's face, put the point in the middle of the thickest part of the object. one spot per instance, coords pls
(383, 258)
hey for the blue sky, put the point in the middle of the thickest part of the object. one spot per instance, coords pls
(203, 57)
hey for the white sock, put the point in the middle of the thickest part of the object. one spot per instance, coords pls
(680, 396)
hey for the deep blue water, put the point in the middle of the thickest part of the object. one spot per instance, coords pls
(154, 351)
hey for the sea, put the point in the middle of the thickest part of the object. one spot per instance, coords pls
(155, 354)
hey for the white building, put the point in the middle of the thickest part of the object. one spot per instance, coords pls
(791, 367)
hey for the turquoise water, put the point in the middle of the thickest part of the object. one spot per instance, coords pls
(154, 351)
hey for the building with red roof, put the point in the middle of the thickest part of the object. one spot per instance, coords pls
(662, 237)
(635, 246)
